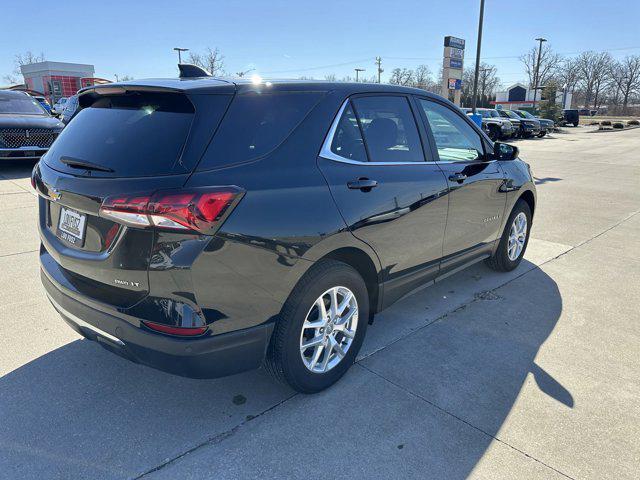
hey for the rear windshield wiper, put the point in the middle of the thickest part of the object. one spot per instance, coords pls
(83, 164)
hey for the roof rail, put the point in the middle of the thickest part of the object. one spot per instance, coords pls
(188, 70)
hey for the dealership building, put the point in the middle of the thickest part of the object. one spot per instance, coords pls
(518, 96)
(57, 79)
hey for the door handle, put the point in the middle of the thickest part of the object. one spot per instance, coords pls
(364, 184)
(458, 177)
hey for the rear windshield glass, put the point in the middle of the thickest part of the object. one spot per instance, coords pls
(20, 104)
(255, 124)
(137, 134)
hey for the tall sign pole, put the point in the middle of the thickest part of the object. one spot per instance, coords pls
(477, 72)
(452, 68)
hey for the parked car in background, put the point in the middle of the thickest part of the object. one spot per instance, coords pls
(70, 109)
(278, 218)
(58, 107)
(571, 116)
(546, 125)
(497, 128)
(587, 112)
(528, 127)
(514, 119)
(43, 101)
(26, 129)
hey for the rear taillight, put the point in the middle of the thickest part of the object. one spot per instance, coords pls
(199, 209)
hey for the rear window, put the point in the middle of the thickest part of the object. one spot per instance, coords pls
(136, 134)
(256, 124)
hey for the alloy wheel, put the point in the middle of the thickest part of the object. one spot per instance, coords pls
(329, 329)
(517, 236)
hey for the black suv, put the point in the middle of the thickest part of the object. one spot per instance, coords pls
(492, 123)
(527, 127)
(26, 129)
(204, 227)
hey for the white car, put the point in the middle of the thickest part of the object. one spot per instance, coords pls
(58, 107)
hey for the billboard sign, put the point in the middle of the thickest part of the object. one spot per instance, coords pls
(455, 42)
(455, 63)
(455, 84)
(456, 53)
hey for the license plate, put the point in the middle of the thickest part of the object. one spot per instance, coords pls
(71, 226)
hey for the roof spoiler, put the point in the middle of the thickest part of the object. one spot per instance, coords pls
(188, 70)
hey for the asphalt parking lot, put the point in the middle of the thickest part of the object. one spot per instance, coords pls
(530, 374)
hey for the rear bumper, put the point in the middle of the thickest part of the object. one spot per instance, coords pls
(22, 153)
(203, 357)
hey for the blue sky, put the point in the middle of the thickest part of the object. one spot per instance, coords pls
(292, 38)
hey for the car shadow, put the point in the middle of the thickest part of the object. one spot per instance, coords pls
(82, 412)
(542, 181)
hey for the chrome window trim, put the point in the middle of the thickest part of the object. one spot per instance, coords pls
(326, 153)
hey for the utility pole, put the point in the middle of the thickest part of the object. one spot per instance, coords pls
(535, 74)
(180, 50)
(358, 70)
(380, 69)
(477, 71)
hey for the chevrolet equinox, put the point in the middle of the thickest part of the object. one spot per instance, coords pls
(206, 227)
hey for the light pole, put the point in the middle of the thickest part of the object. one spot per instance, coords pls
(180, 50)
(380, 69)
(477, 71)
(535, 75)
(358, 70)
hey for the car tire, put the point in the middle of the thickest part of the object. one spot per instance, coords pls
(506, 257)
(286, 360)
(575, 124)
(542, 134)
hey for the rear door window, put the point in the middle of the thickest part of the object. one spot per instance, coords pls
(389, 129)
(255, 124)
(133, 134)
(347, 140)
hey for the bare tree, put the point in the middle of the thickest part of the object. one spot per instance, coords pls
(488, 82)
(549, 63)
(330, 78)
(593, 68)
(422, 77)
(19, 60)
(402, 76)
(568, 74)
(625, 76)
(211, 60)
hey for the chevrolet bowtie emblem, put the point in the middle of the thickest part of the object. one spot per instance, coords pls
(54, 194)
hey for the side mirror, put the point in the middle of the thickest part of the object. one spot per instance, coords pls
(503, 151)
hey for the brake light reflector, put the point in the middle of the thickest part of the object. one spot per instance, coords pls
(181, 331)
(199, 209)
